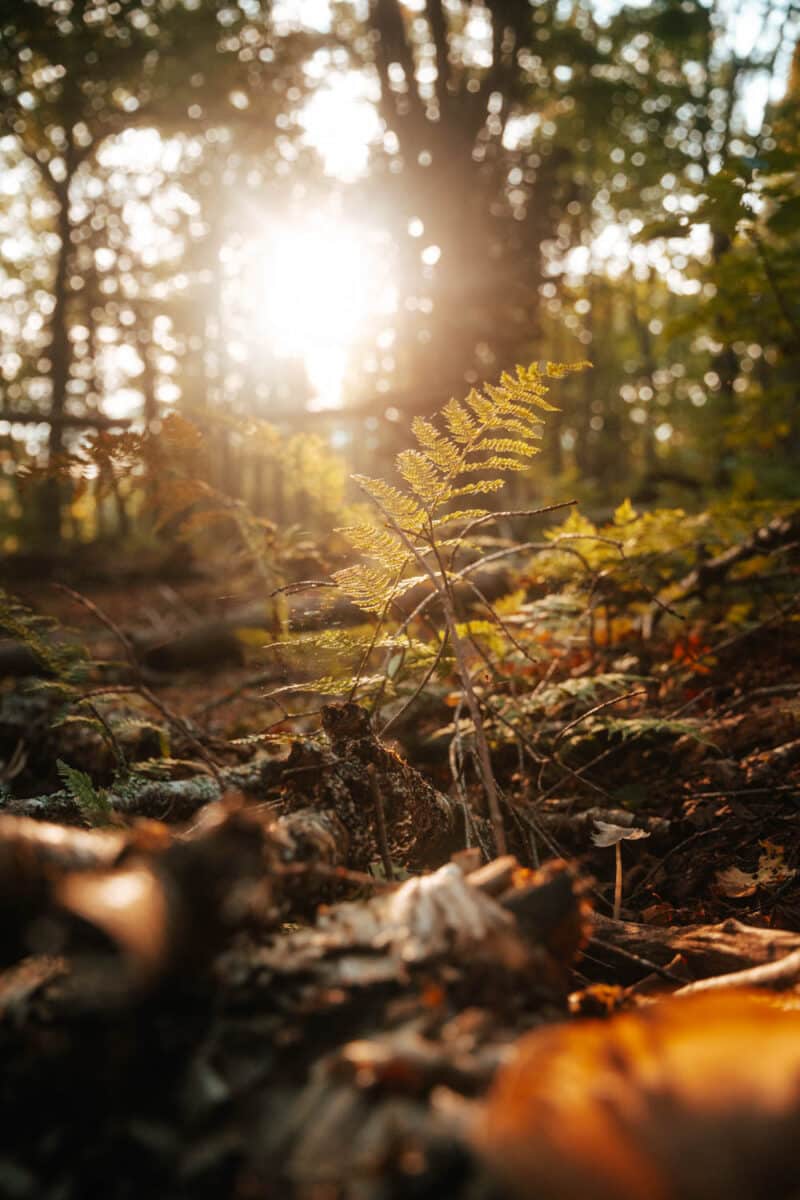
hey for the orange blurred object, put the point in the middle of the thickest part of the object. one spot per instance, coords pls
(690, 1099)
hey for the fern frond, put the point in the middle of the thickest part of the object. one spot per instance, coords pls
(561, 370)
(479, 487)
(655, 727)
(509, 446)
(422, 475)
(512, 409)
(497, 462)
(94, 805)
(481, 406)
(368, 587)
(523, 429)
(378, 543)
(492, 432)
(371, 588)
(20, 622)
(462, 426)
(348, 641)
(398, 506)
(460, 514)
(443, 453)
(331, 685)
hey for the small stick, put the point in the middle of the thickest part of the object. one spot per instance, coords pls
(380, 824)
(785, 971)
(618, 881)
(327, 871)
(646, 963)
(598, 708)
(140, 686)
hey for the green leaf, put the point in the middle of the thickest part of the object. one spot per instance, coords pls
(94, 805)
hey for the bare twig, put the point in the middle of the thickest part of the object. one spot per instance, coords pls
(419, 689)
(140, 686)
(442, 588)
(330, 872)
(664, 972)
(784, 972)
(597, 708)
(380, 824)
(521, 512)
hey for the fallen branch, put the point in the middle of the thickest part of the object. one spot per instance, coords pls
(704, 949)
(783, 973)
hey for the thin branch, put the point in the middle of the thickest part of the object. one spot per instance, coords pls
(418, 690)
(140, 686)
(785, 972)
(380, 824)
(597, 708)
(441, 587)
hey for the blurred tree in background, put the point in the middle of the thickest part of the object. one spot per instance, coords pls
(542, 180)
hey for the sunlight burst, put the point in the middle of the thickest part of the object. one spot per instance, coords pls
(320, 288)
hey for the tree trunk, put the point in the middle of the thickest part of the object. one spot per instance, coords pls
(60, 361)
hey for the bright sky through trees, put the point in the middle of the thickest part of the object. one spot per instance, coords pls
(308, 278)
(320, 321)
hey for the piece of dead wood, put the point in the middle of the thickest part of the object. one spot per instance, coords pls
(344, 777)
(771, 763)
(161, 799)
(139, 905)
(785, 972)
(776, 533)
(705, 950)
(444, 917)
(171, 800)
(559, 821)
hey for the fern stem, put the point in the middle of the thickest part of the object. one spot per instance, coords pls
(380, 825)
(618, 881)
(473, 703)
(443, 590)
(481, 743)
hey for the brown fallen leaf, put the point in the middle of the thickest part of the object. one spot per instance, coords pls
(695, 1099)
(772, 870)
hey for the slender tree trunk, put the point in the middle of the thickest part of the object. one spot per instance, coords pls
(60, 362)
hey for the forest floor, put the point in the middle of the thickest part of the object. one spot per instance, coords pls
(177, 1013)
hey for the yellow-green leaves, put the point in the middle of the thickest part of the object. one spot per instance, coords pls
(492, 432)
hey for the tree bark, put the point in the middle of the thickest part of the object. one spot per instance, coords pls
(60, 362)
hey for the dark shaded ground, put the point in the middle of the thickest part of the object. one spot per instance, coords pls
(174, 1019)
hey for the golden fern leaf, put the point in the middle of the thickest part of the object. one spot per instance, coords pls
(440, 450)
(523, 429)
(481, 406)
(503, 398)
(496, 462)
(461, 425)
(479, 487)
(522, 412)
(368, 587)
(509, 446)
(331, 685)
(421, 475)
(561, 370)
(377, 543)
(397, 505)
(460, 514)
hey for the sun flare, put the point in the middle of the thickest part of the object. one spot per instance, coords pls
(319, 288)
